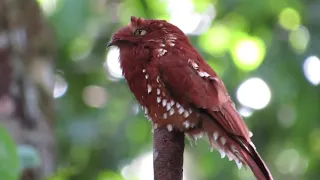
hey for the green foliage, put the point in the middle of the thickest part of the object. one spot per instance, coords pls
(9, 166)
(97, 141)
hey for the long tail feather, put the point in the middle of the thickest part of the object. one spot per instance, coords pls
(234, 147)
(254, 161)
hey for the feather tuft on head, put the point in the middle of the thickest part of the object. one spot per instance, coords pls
(142, 31)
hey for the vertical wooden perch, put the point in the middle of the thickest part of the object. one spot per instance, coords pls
(168, 154)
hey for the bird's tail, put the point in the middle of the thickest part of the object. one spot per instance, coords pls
(252, 158)
(234, 147)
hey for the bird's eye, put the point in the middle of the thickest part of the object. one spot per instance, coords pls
(140, 32)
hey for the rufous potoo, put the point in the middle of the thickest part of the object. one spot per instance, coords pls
(179, 90)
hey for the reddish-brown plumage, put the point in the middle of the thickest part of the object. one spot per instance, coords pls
(178, 89)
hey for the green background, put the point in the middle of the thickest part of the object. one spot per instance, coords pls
(102, 133)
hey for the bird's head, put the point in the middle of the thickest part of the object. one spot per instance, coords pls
(149, 33)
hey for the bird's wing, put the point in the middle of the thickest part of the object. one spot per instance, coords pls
(194, 82)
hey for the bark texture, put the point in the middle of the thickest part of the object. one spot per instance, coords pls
(168, 154)
(26, 81)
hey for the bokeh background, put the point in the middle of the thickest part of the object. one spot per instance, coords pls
(266, 51)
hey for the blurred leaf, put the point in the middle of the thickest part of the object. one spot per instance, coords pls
(109, 175)
(69, 19)
(9, 166)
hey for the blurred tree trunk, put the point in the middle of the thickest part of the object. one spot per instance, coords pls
(26, 81)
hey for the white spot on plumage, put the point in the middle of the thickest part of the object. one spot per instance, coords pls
(194, 65)
(171, 44)
(235, 151)
(233, 148)
(158, 91)
(161, 52)
(155, 126)
(229, 157)
(164, 102)
(149, 88)
(239, 163)
(222, 153)
(186, 124)
(206, 74)
(178, 105)
(198, 136)
(185, 114)
(146, 76)
(252, 145)
(180, 110)
(168, 106)
(250, 134)
(171, 112)
(203, 74)
(145, 110)
(158, 99)
(217, 80)
(190, 110)
(215, 135)
(172, 37)
(172, 102)
(165, 116)
(148, 117)
(162, 45)
(143, 70)
(223, 140)
(169, 127)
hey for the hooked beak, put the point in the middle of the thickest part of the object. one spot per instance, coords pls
(113, 42)
(110, 43)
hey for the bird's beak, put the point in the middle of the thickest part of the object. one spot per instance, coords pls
(110, 43)
(113, 41)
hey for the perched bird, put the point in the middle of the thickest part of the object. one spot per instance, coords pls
(179, 90)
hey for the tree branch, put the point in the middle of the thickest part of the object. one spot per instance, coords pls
(168, 154)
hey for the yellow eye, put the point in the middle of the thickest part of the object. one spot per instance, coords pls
(140, 32)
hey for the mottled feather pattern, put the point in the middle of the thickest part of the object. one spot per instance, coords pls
(178, 90)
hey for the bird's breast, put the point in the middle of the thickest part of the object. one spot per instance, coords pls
(161, 107)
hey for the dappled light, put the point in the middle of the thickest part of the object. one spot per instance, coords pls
(48, 6)
(216, 40)
(311, 69)
(289, 19)
(286, 115)
(142, 168)
(254, 93)
(182, 14)
(248, 53)
(299, 39)
(113, 64)
(60, 86)
(266, 52)
(289, 161)
(245, 111)
(95, 96)
(80, 48)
